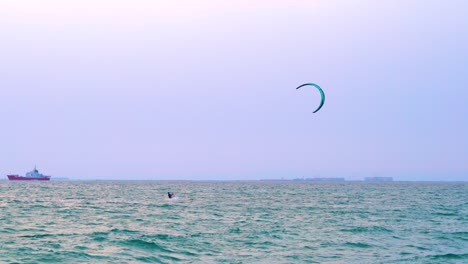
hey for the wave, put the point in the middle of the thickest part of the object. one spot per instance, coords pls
(450, 256)
(37, 236)
(365, 229)
(358, 245)
(146, 245)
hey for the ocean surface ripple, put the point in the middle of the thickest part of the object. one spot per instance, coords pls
(233, 222)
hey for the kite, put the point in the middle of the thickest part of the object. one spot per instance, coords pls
(321, 93)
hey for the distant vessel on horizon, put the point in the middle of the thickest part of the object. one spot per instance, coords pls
(33, 175)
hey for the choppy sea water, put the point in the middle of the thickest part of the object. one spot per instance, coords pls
(233, 222)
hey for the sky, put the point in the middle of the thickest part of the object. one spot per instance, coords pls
(205, 90)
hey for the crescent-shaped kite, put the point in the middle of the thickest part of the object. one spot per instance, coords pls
(321, 93)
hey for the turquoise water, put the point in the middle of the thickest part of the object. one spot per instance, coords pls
(233, 222)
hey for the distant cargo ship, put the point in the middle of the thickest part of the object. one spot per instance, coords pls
(33, 175)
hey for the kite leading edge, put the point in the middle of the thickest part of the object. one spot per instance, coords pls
(321, 93)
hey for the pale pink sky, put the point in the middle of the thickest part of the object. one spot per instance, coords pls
(205, 89)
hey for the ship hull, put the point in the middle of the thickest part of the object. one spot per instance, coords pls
(22, 178)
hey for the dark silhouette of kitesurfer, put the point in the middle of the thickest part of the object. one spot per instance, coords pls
(170, 194)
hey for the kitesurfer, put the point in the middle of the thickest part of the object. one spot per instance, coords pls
(170, 194)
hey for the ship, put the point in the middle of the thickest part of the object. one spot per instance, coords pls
(33, 175)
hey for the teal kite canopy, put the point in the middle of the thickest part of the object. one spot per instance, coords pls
(321, 93)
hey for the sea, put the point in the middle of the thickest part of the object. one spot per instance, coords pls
(233, 222)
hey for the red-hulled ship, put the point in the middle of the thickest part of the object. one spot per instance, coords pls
(33, 175)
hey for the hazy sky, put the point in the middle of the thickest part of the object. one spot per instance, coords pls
(206, 89)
